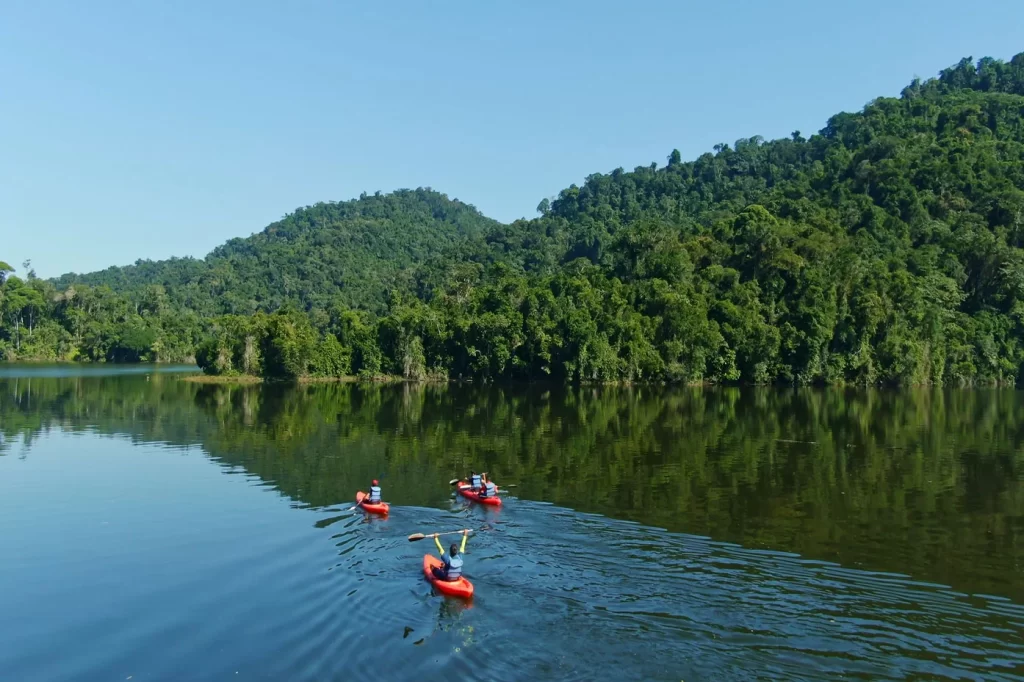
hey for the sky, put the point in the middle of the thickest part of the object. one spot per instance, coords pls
(144, 130)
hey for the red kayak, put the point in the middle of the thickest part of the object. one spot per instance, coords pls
(456, 588)
(381, 508)
(466, 491)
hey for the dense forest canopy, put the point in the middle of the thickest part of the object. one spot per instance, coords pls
(350, 252)
(889, 247)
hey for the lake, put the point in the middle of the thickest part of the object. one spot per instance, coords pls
(157, 529)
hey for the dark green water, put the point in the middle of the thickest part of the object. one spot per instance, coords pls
(164, 530)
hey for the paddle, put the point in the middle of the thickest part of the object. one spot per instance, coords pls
(420, 536)
(456, 480)
(359, 503)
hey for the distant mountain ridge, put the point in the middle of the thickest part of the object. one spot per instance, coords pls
(349, 251)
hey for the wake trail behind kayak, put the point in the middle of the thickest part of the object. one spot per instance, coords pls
(562, 590)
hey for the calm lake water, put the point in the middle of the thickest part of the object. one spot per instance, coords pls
(154, 529)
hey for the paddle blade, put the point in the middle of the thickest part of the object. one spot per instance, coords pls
(416, 536)
(453, 481)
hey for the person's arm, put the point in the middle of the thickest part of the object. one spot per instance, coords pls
(465, 536)
(439, 547)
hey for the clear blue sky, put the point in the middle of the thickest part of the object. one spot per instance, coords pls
(150, 129)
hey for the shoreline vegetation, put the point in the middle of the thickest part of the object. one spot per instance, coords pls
(887, 249)
(248, 379)
(251, 379)
(208, 379)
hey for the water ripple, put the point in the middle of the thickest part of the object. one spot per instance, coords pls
(240, 581)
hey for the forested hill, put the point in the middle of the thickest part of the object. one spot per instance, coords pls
(947, 149)
(350, 252)
(885, 248)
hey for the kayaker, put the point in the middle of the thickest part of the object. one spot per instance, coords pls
(374, 493)
(488, 489)
(452, 570)
(474, 480)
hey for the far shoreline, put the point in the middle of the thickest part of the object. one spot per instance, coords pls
(193, 374)
(246, 379)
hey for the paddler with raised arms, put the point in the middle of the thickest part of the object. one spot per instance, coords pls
(452, 569)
